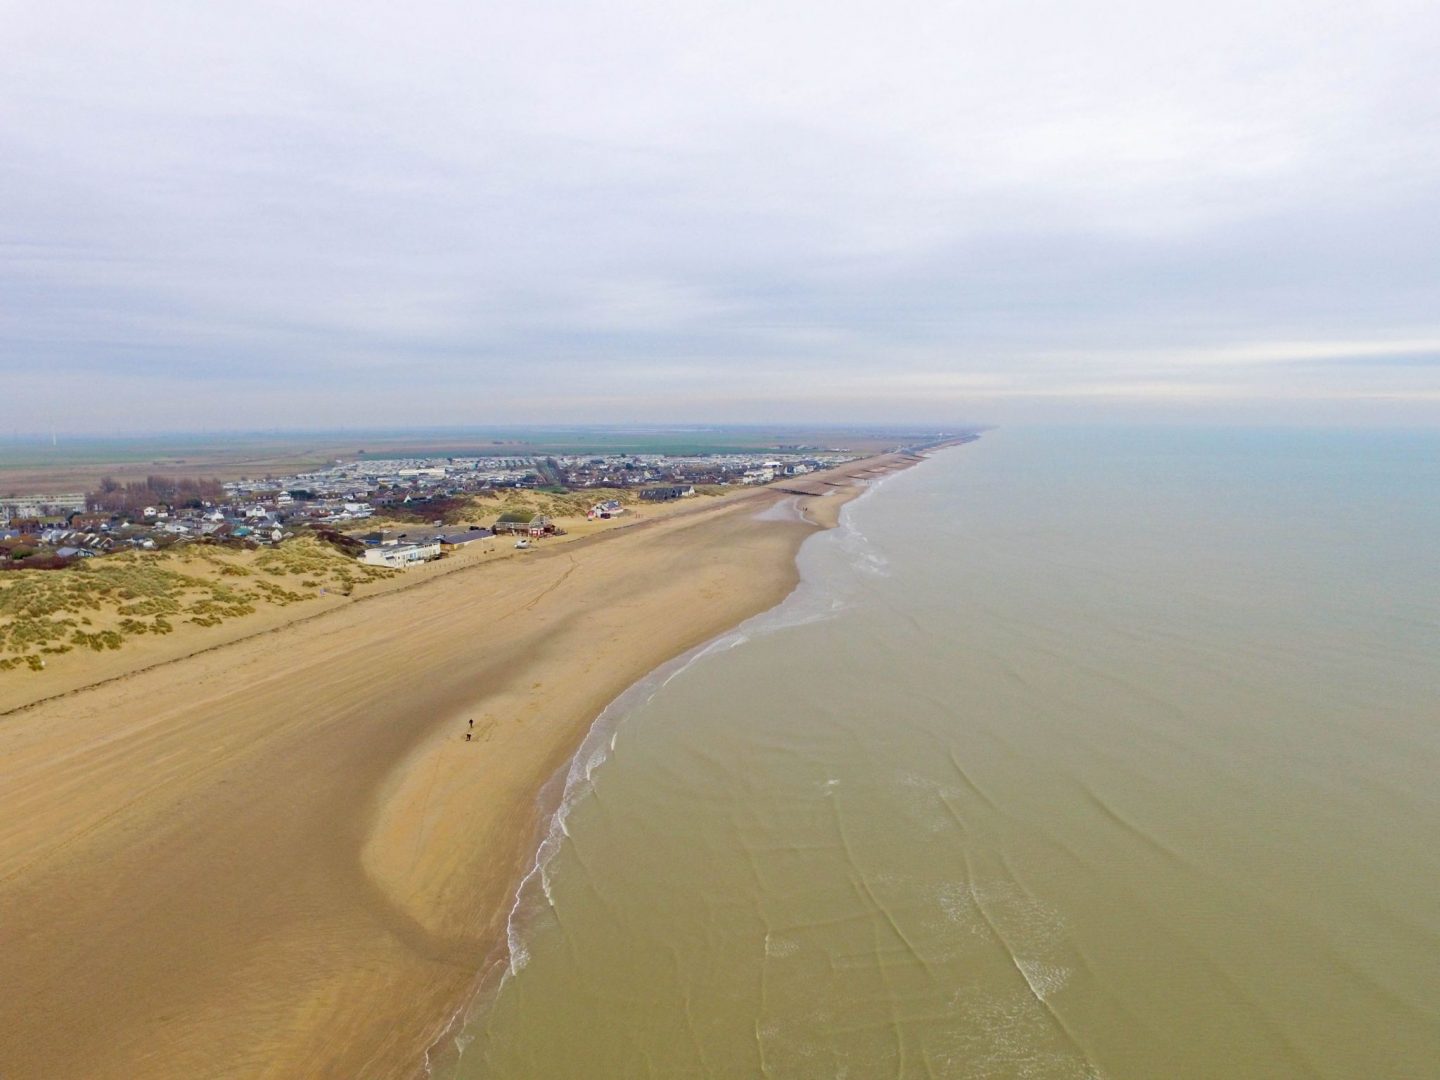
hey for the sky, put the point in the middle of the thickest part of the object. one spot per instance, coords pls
(323, 214)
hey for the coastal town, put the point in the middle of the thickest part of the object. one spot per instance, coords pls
(142, 559)
(349, 499)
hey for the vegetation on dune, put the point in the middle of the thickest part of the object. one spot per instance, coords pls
(307, 555)
(509, 504)
(51, 612)
(99, 603)
(574, 504)
(346, 545)
(449, 509)
(19, 557)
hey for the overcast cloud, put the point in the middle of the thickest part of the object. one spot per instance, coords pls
(317, 214)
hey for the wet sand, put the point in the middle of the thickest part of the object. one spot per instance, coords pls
(280, 857)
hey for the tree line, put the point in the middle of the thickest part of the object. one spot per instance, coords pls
(114, 496)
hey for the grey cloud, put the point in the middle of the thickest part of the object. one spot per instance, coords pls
(461, 213)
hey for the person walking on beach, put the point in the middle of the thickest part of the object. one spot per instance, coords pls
(467, 736)
(472, 721)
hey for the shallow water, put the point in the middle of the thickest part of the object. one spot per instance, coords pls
(1076, 754)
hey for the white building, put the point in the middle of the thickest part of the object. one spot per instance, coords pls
(608, 509)
(30, 506)
(401, 556)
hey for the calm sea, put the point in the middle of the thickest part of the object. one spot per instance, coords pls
(1077, 754)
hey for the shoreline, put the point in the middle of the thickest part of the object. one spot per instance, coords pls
(565, 787)
(308, 895)
(500, 963)
(553, 802)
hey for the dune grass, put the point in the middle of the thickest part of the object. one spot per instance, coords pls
(99, 604)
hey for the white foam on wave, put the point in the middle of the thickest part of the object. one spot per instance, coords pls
(860, 551)
(924, 800)
(778, 948)
(1043, 979)
(958, 905)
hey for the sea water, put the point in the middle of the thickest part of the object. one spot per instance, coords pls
(1085, 753)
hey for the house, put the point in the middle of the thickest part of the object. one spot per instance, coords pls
(34, 506)
(455, 540)
(665, 494)
(400, 556)
(608, 509)
(524, 522)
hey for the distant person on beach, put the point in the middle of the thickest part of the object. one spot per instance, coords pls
(472, 722)
(467, 736)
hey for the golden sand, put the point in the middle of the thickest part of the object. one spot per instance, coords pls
(280, 856)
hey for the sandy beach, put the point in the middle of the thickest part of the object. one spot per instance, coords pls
(280, 856)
